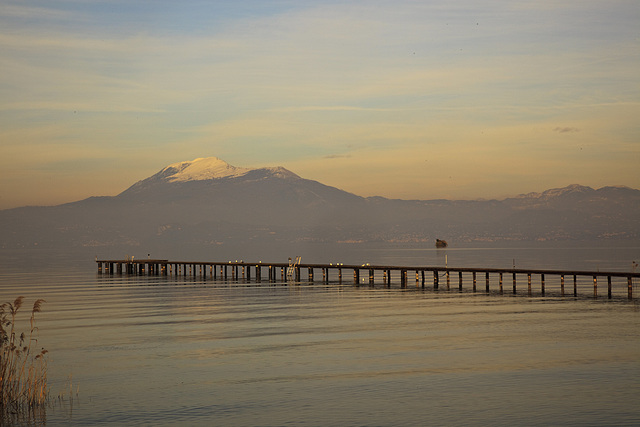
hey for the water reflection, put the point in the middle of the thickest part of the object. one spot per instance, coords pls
(28, 417)
(166, 351)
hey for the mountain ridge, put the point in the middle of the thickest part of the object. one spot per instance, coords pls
(205, 169)
(214, 168)
(216, 208)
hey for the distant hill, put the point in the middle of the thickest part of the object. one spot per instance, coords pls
(210, 207)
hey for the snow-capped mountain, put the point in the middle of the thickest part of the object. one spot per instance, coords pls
(558, 192)
(207, 168)
(212, 170)
(201, 169)
(577, 197)
(206, 205)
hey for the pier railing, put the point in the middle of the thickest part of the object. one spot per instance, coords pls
(365, 273)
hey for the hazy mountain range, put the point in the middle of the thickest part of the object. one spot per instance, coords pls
(208, 205)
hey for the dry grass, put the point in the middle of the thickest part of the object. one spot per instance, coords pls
(23, 370)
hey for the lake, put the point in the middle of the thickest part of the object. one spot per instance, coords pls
(155, 350)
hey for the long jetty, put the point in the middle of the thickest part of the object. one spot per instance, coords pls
(367, 273)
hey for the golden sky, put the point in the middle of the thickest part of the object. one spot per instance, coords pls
(401, 99)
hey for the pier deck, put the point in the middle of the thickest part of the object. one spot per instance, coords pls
(367, 274)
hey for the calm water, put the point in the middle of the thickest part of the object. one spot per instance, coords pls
(169, 351)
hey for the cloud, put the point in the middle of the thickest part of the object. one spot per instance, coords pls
(565, 129)
(337, 156)
(326, 108)
(29, 12)
(307, 83)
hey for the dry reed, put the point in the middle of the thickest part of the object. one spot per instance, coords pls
(23, 371)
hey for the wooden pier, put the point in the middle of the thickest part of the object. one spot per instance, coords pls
(438, 276)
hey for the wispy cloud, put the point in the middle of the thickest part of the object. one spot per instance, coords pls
(337, 156)
(396, 82)
(565, 129)
(17, 10)
(304, 108)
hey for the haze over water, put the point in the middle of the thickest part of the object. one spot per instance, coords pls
(165, 350)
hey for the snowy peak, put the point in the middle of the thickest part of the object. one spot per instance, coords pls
(201, 169)
(209, 169)
(580, 198)
(558, 192)
(280, 172)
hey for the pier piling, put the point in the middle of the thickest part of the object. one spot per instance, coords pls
(242, 271)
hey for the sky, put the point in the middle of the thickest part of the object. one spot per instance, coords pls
(402, 99)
